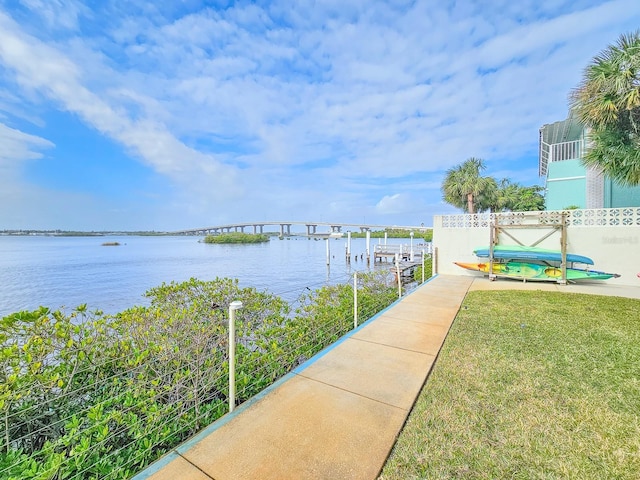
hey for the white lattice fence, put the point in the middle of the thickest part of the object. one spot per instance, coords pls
(600, 217)
(611, 236)
(605, 217)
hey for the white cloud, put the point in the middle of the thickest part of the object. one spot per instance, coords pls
(396, 203)
(17, 147)
(57, 13)
(298, 109)
(46, 69)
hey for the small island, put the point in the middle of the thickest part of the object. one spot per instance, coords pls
(236, 237)
(111, 244)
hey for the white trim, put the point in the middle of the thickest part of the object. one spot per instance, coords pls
(565, 178)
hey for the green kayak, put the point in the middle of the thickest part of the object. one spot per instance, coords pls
(534, 271)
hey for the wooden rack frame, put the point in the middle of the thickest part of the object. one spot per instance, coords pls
(497, 228)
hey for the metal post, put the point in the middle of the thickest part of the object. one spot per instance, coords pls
(434, 261)
(349, 246)
(232, 353)
(398, 275)
(563, 250)
(411, 251)
(355, 300)
(385, 238)
(423, 265)
(368, 235)
(328, 252)
(492, 241)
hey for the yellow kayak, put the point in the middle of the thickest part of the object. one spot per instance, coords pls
(534, 271)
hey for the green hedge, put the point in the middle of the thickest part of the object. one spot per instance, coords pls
(86, 395)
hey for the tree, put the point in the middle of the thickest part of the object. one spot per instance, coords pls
(508, 195)
(487, 199)
(529, 199)
(516, 198)
(463, 186)
(608, 101)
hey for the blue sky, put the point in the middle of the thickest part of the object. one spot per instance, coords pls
(137, 115)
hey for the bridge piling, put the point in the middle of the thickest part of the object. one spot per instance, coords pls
(285, 227)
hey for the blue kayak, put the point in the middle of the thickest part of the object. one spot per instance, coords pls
(519, 252)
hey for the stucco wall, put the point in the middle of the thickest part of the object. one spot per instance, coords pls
(611, 237)
(622, 196)
(566, 185)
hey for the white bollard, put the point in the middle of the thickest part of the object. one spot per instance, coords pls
(398, 275)
(368, 235)
(434, 261)
(411, 251)
(328, 252)
(232, 353)
(355, 300)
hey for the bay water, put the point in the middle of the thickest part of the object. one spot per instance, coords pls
(64, 272)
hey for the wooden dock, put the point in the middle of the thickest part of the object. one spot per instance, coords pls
(405, 252)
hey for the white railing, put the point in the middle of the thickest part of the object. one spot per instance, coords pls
(404, 249)
(600, 217)
(557, 152)
(566, 151)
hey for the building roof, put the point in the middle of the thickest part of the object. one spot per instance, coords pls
(569, 130)
(559, 132)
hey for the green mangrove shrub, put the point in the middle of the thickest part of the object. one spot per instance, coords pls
(326, 314)
(237, 237)
(87, 395)
(91, 396)
(428, 269)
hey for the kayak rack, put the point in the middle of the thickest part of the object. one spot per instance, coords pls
(558, 226)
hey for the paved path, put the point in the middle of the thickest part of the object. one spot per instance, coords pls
(338, 415)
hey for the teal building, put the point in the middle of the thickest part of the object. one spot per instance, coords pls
(567, 182)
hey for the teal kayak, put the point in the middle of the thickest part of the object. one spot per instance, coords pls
(519, 252)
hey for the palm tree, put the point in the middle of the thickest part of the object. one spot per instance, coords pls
(608, 101)
(508, 195)
(488, 197)
(463, 185)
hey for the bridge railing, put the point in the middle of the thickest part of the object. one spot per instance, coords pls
(285, 225)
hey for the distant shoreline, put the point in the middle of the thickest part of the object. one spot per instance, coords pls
(70, 233)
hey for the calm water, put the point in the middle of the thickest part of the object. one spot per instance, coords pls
(68, 271)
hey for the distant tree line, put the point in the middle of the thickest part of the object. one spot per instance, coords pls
(424, 233)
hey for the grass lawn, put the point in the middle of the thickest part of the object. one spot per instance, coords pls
(529, 385)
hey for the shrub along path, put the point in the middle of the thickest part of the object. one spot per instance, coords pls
(336, 416)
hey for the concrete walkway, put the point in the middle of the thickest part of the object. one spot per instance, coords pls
(338, 415)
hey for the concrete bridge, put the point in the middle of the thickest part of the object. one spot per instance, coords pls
(285, 228)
